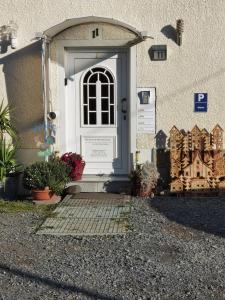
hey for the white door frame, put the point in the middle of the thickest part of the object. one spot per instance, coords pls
(61, 49)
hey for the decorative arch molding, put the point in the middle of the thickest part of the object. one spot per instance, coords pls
(128, 33)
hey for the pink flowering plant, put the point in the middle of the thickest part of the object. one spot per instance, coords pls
(76, 163)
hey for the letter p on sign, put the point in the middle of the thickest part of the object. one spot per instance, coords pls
(201, 97)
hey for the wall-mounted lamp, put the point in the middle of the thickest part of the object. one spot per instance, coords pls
(8, 36)
(158, 52)
(180, 30)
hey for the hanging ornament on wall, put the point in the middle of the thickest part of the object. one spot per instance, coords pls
(50, 140)
(45, 147)
(45, 153)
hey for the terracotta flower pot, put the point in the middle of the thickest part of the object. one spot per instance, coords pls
(143, 191)
(42, 195)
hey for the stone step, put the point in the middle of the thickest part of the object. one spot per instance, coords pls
(107, 184)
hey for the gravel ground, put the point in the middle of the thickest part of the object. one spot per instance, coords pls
(175, 251)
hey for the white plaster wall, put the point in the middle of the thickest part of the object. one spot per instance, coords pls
(197, 66)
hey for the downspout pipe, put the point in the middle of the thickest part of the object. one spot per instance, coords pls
(44, 52)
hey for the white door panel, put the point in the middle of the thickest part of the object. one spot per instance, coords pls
(95, 125)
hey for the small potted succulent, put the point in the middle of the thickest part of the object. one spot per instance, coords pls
(76, 163)
(46, 179)
(144, 179)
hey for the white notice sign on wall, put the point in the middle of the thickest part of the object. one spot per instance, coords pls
(98, 148)
(146, 110)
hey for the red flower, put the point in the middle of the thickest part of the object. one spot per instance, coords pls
(76, 162)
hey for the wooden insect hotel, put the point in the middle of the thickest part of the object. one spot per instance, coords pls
(196, 160)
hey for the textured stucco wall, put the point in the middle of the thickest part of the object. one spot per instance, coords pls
(21, 84)
(197, 66)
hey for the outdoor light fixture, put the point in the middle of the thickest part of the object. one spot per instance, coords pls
(158, 52)
(8, 35)
(179, 30)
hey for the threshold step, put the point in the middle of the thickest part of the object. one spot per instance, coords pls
(103, 178)
(103, 184)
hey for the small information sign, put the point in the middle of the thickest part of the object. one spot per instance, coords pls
(200, 102)
(146, 110)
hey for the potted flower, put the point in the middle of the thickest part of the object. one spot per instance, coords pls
(8, 167)
(76, 163)
(46, 179)
(9, 170)
(144, 179)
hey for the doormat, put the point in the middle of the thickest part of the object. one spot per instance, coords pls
(90, 214)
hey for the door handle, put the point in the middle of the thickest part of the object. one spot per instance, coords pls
(124, 105)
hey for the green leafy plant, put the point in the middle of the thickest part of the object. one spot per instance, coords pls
(7, 159)
(5, 123)
(53, 174)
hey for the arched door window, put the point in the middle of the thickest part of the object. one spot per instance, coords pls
(98, 97)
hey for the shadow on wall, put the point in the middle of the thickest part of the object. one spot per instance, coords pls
(204, 214)
(170, 32)
(22, 71)
(163, 159)
(4, 46)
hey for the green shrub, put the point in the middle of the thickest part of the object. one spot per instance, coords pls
(5, 123)
(8, 163)
(53, 174)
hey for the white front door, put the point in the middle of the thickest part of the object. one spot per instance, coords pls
(96, 110)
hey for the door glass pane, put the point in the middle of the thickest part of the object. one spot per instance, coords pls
(104, 88)
(98, 70)
(87, 76)
(103, 78)
(111, 115)
(92, 104)
(93, 78)
(105, 118)
(85, 94)
(111, 93)
(92, 90)
(92, 118)
(105, 104)
(109, 76)
(85, 115)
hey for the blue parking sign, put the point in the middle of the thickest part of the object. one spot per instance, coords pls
(200, 102)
